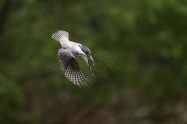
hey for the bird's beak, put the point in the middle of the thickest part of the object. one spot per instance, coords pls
(90, 60)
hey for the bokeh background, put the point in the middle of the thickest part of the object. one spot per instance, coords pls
(139, 47)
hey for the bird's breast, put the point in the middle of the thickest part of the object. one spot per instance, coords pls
(74, 47)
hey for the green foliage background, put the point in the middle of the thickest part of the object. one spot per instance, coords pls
(140, 52)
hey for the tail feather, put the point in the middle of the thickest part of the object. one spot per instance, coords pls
(60, 35)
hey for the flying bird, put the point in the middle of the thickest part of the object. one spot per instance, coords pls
(67, 58)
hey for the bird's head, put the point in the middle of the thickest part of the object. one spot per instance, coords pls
(88, 56)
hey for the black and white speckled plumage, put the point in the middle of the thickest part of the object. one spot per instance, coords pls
(67, 61)
(71, 68)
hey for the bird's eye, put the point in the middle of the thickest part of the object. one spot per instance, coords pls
(87, 52)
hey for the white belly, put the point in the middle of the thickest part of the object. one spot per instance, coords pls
(74, 47)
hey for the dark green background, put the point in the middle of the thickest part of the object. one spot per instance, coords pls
(139, 47)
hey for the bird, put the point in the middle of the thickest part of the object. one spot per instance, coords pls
(67, 58)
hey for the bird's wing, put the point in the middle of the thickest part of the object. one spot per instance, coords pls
(71, 68)
(61, 36)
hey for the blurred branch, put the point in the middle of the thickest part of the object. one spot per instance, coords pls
(4, 14)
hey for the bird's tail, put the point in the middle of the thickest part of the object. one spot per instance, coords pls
(60, 35)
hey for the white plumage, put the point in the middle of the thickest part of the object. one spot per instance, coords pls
(67, 60)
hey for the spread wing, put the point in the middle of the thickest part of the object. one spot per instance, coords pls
(71, 68)
(61, 36)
